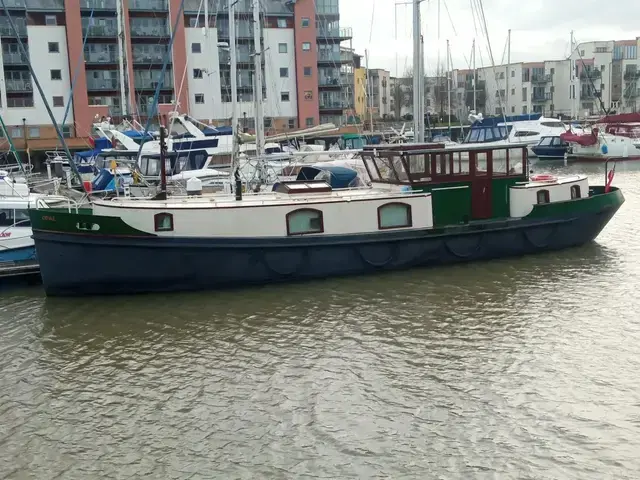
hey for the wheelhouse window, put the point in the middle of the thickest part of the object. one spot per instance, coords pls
(575, 192)
(305, 221)
(163, 222)
(394, 215)
(543, 196)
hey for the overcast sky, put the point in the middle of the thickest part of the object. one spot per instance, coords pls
(540, 29)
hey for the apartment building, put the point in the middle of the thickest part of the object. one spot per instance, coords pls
(113, 50)
(598, 76)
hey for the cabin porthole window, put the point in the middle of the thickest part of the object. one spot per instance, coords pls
(543, 196)
(394, 215)
(575, 192)
(163, 222)
(305, 221)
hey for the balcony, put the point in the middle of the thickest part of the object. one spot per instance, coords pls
(18, 86)
(334, 34)
(587, 94)
(241, 57)
(100, 30)
(590, 74)
(98, 4)
(541, 97)
(148, 5)
(14, 58)
(541, 78)
(631, 75)
(329, 83)
(100, 57)
(148, 57)
(154, 32)
(333, 105)
(42, 5)
(142, 83)
(7, 31)
(103, 84)
(327, 56)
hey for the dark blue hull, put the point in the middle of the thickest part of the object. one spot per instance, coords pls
(549, 153)
(81, 265)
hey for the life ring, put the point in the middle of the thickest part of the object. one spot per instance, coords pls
(543, 178)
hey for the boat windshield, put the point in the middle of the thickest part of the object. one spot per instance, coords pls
(545, 142)
(356, 143)
(482, 134)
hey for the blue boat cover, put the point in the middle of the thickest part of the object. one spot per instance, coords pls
(339, 177)
(493, 121)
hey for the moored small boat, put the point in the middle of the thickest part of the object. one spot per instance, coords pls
(551, 148)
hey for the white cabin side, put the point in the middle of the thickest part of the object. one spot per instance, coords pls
(522, 198)
(334, 215)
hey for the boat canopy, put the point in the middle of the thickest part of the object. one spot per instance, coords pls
(337, 177)
(497, 120)
(584, 140)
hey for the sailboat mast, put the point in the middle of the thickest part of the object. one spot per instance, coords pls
(208, 55)
(121, 57)
(257, 33)
(234, 88)
(572, 92)
(418, 116)
(448, 87)
(475, 79)
(369, 95)
(508, 71)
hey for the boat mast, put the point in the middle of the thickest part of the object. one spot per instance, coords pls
(206, 49)
(234, 98)
(475, 78)
(418, 116)
(121, 57)
(369, 95)
(257, 33)
(572, 92)
(449, 87)
(508, 71)
(422, 95)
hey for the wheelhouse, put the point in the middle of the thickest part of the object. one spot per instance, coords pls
(466, 183)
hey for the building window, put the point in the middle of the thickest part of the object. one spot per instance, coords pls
(282, 48)
(56, 75)
(309, 122)
(50, 20)
(575, 192)
(66, 131)
(394, 215)
(34, 132)
(543, 196)
(307, 71)
(306, 46)
(513, 73)
(282, 23)
(292, 123)
(305, 22)
(16, 132)
(54, 47)
(197, 73)
(199, 98)
(196, 48)
(284, 72)
(58, 101)
(268, 122)
(304, 221)
(284, 96)
(308, 95)
(163, 222)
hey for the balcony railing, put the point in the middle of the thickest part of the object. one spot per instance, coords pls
(98, 4)
(100, 30)
(587, 94)
(334, 33)
(46, 5)
(149, 84)
(328, 56)
(148, 5)
(541, 78)
(18, 85)
(146, 31)
(541, 97)
(103, 84)
(100, 57)
(333, 105)
(148, 57)
(630, 75)
(7, 31)
(330, 82)
(14, 58)
(590, 74)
